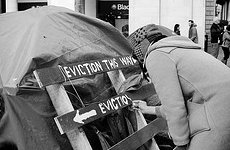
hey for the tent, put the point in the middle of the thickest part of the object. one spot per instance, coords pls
(42, 37)
(50, 36)
(45, 37)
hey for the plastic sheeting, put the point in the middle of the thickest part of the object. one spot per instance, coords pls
(47, 36)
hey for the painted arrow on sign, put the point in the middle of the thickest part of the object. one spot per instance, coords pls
(79, 118)
(94, 111)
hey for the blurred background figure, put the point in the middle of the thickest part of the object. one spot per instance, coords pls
(125, 30)
(226, 44)
(192, 35)
(177, 29)
(215, 31)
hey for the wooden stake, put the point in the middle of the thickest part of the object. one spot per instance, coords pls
(117, 78)
(140, 137)
(63, 105)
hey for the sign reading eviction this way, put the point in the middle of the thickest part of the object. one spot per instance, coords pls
(77, 70)
(75, 119)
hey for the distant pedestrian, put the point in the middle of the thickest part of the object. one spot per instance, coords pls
(226, 44)
(222, 24)
(177, 29)
(125, 30)
(192, 35)
(215, 31)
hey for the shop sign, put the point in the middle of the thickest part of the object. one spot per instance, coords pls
(113, 7)
(120, 7)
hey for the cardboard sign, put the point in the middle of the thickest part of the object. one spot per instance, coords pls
(59, 74)
(80, 117)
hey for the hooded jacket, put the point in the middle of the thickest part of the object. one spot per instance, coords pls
(226, 39)
(193, 33)
(193, 87)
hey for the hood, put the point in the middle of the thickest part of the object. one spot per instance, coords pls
(169, 43)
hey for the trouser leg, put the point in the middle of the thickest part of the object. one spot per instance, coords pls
(226, 54)
(214, 49)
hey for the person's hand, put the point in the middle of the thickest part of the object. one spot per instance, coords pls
(140, 105)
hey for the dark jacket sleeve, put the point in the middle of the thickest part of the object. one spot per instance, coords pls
(215, 31)
(163, 74)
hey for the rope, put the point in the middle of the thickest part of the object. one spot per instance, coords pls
(62, 72)
(65, 75)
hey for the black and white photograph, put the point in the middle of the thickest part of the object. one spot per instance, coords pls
(114, 75)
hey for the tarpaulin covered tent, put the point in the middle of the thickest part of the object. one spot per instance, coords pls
(50, 36)
(44, 37)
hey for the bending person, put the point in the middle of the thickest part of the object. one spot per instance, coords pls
(193, 88)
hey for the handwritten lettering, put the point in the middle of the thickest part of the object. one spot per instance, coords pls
(98, 66)
(114, 103)
(83, 69)
(127, 60)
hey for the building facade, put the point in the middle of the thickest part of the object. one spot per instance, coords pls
(137, 13)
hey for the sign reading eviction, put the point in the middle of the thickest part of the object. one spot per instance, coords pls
(94, 67)
(75, 119)
(77, 70)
